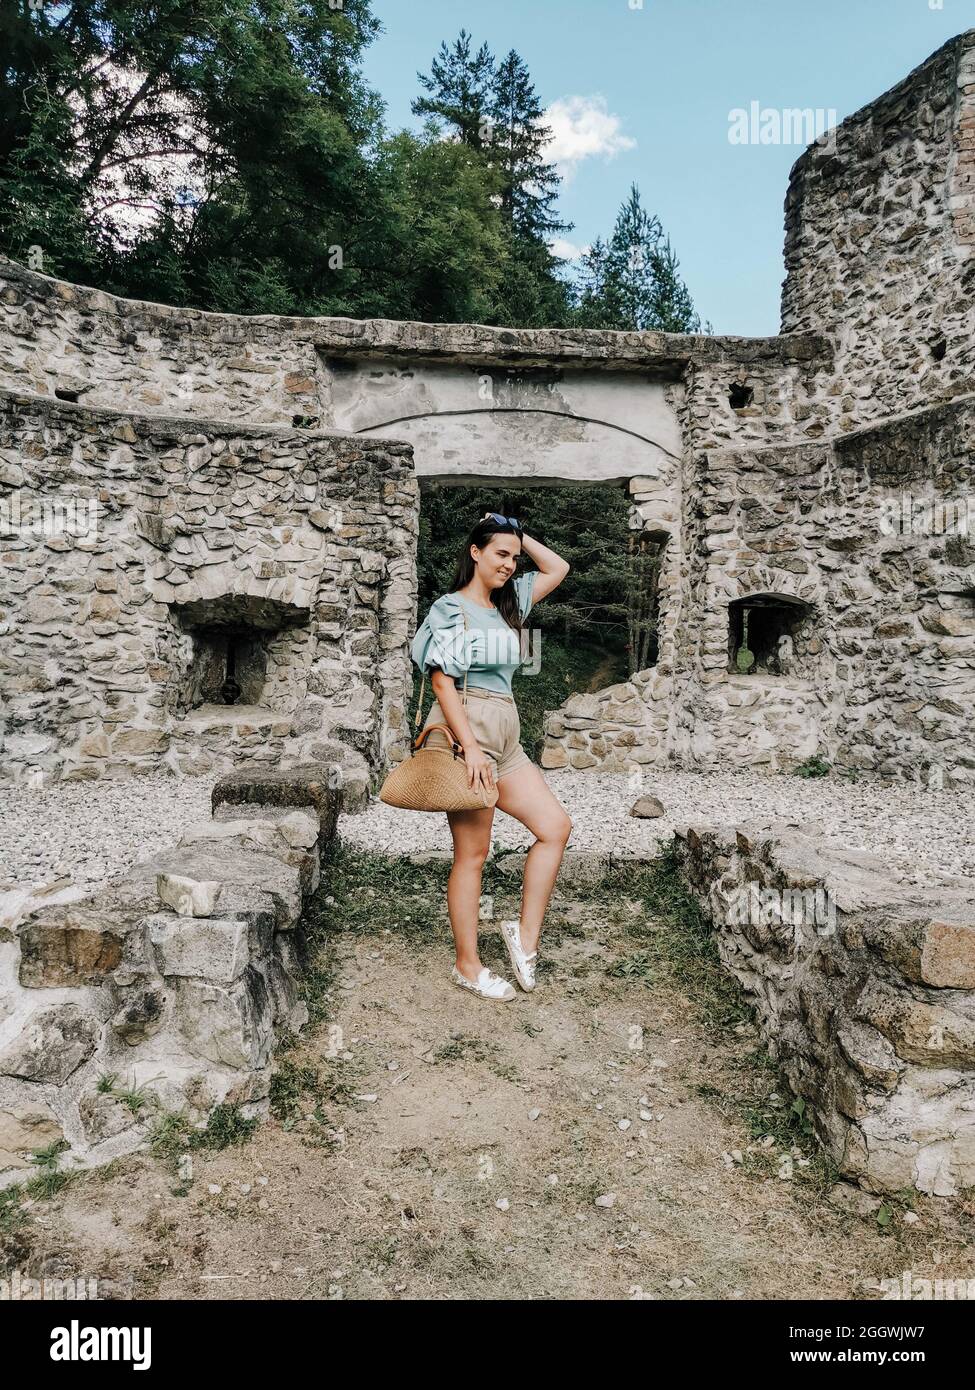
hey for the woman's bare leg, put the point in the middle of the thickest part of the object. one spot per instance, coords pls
(526, 795)
(471, 831)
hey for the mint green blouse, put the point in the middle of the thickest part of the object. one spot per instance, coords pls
(489, 651)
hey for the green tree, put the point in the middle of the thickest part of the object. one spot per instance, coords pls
(257, 109)
(438, 250)
(460, 84)
(632, 280)
(530, 186)
(494, 110)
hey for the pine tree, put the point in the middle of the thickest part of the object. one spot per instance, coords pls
(529, 185)
(631, 281)
(494, 110)
(461, 85)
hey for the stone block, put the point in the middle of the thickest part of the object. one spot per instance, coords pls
(53, 1043)
(205, 947)
(228, 1027)
(324, 786)
(245, 869)
(141, 1015)
(930, 1034)
(23, 1130)
(188, 897)
(69, 953)
(932, 950)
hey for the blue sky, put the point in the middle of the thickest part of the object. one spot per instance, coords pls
(648, 92)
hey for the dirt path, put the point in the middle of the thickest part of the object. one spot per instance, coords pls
(457, 1149)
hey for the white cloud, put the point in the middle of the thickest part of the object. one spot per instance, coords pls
(566, 250)
(583, 128)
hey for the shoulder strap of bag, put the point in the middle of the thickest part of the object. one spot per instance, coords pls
(419, 703)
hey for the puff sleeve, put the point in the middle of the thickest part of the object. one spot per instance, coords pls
(441, 639)
(524, 586)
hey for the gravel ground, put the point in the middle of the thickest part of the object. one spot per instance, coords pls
(95, 830)
(91, 831)
(926, 836)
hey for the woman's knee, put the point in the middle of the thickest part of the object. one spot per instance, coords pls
(557, 830)
(471, 856)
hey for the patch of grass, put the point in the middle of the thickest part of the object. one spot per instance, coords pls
(771, 1110)
(894, 1204)
(317, 982)
(49, 1180)
(134, 1098)
(227, 1126)
(174, 1135)
(638, 966)
(458, 1049)
(12, 1214)
(812, 767)
(291, 1084)
(708, 1092)
(676, 942)
(373, 891)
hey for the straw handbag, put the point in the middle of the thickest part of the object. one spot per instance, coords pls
(435, 779)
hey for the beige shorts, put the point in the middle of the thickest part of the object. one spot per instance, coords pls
(496, 725)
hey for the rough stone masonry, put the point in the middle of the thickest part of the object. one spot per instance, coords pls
(207, 557)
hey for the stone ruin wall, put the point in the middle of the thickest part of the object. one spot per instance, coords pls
(880, 258)
(864, 991)
(311, 534)
(880, 242)
(165, 989)
(883, 673)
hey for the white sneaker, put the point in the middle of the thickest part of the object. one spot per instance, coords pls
(521, 963)
(487, 985)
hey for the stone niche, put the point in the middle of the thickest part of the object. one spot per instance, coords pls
(234, 637)
(774, 629)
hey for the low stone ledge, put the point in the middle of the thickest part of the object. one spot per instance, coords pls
(185, 1008)
(246, 868)
(330, 788)
(864, 993)
(583, 867)
(292, 839)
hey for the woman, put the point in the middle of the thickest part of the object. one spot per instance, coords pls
(487, 646)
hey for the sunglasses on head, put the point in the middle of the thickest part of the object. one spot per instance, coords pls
(503, 520)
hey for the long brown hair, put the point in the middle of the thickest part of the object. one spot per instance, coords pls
(504, 599)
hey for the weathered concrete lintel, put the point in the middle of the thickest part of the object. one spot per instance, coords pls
(591, 349)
